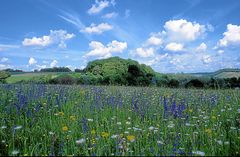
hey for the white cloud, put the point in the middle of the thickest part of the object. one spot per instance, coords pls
(97, 29)
(32, 61)
(206, 59)
(220, 52)
(72, 18)
(4, 47)
(55, 37)
(156, 59)
(110, 15)
(4, 66)
(154, 41)
(99, 6)
(53, 63)
(231, 36)
(175, 61)
(201, 48)
(4, 59)
(144, 52)
(102, 51)
(41, 66)
(183, 30)
(174, 47)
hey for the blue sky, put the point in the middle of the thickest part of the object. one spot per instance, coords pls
(169, 35)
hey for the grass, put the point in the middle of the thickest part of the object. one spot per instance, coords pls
(101, 120)
(18, 77)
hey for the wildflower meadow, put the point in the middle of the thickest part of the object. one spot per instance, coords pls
(118, 121)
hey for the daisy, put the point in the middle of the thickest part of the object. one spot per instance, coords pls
(80, 141)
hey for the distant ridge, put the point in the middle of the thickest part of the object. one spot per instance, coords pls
(222, 73)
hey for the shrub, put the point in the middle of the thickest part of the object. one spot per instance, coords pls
(195, 83)
(173, 83)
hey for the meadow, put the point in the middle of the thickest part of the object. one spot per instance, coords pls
(117, 120)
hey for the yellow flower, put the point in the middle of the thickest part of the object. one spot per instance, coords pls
(131, 138)
(190, 110)
(213, 117)
(65, 128)
(93, 141)
(73, 118)
(93, 132)
(82, 92)
(208, 131)
(105, 134)
(61, 113)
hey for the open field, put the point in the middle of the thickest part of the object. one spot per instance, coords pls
(101, 120)
(26, 76)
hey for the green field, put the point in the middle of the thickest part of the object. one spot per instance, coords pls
(111, 120)
(27, 76)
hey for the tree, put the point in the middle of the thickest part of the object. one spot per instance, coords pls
(162, 81)
(173, 83)
(3, 76)
(195, 83)
(118, 71)
(56, 69)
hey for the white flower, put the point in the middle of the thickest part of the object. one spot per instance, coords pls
(219, 142)
(188, 124)
(155, 131)
(198, 153)
(114, 136)
(3, 141)
(171, 125)
(136, 129)
(119, 123)
(128, 123)
(226, 143)
(126, 132)
(80, 141)
(3, 127)
(205, 117)
(151, 128)
(15, 152)
(18, 127)
(51, 133)
(160, 142)
(90, 120)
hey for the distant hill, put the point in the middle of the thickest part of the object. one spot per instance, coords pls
(222, 73)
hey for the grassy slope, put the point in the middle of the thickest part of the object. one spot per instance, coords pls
(228, 74)
(16, 77)
(28, 76)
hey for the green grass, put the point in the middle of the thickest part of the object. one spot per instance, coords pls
(122, 121)
(17, 77)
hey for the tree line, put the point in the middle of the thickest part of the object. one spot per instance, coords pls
(118, 71)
